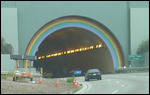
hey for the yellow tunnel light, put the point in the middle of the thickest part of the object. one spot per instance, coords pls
(43, 56)
(59, 53)
(91, 47)
(76, 50)
(96, 46)
(55, 54)
(80, 49)
(48, 56)
(87, 48)
(65, 52)
(72, 51)
(52, 54)
(68, 51)
(39, 57)
(99, 45)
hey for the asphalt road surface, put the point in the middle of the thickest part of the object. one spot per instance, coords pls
(131, 83)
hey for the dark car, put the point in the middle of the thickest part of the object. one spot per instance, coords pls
(76, 72)
(93, 74)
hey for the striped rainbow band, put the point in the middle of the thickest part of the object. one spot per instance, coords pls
(81, 22)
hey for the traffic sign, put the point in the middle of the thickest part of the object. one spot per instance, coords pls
(23, 57)
(28, 57)
(16, 57)
(135, 57)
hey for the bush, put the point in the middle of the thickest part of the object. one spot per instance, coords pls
(143, 47)
(4, 76)
(70, 80)
(10, 74)
(6, 48)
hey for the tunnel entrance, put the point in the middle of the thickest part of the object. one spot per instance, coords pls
(73, 38)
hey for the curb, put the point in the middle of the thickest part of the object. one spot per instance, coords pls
(84, 88)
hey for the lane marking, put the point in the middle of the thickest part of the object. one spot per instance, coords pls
(117, 82)
(84, 89)
(133, 76)
(108, 80)
(88, 87)
(115, 91)
(147, 77)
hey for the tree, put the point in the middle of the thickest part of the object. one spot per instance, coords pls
(143, 47)
(6, 48)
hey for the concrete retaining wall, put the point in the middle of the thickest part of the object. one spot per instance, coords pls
(146, 59)
(7, 64)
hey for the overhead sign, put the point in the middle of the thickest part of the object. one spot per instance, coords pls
(16, 57)
(135, 57)
(23, 57)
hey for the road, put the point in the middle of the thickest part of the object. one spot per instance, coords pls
(131, 83)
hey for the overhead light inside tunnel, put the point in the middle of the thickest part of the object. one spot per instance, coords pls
(91, 47)
(48, 56)
(39, 57)
(59, 54)
(98, 46)
(68, 52)
(65, 52)
(76, 50)
(71, 51)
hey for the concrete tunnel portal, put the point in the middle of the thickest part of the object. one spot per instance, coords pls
(72, 38)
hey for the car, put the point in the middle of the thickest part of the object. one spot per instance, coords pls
(76, 72)
(47, 74)
(93, 74)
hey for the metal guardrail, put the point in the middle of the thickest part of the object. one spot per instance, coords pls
(135, 69)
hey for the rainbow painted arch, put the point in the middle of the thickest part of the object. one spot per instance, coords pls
(81, 22)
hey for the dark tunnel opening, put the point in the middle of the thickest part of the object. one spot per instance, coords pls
(70, 39)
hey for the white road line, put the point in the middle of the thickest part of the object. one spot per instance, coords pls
(122, 85)
(115, 91)
(147, 77)
(84, 89)
(133, 76)
(108, 80)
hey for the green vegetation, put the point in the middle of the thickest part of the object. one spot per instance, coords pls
(2, 90)
(4, 76)
(143, 47)
(75, 90)
(20, 78)
(80, 85)
(10, 74)
(68, 92)
(6, 48)
(70, 80)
